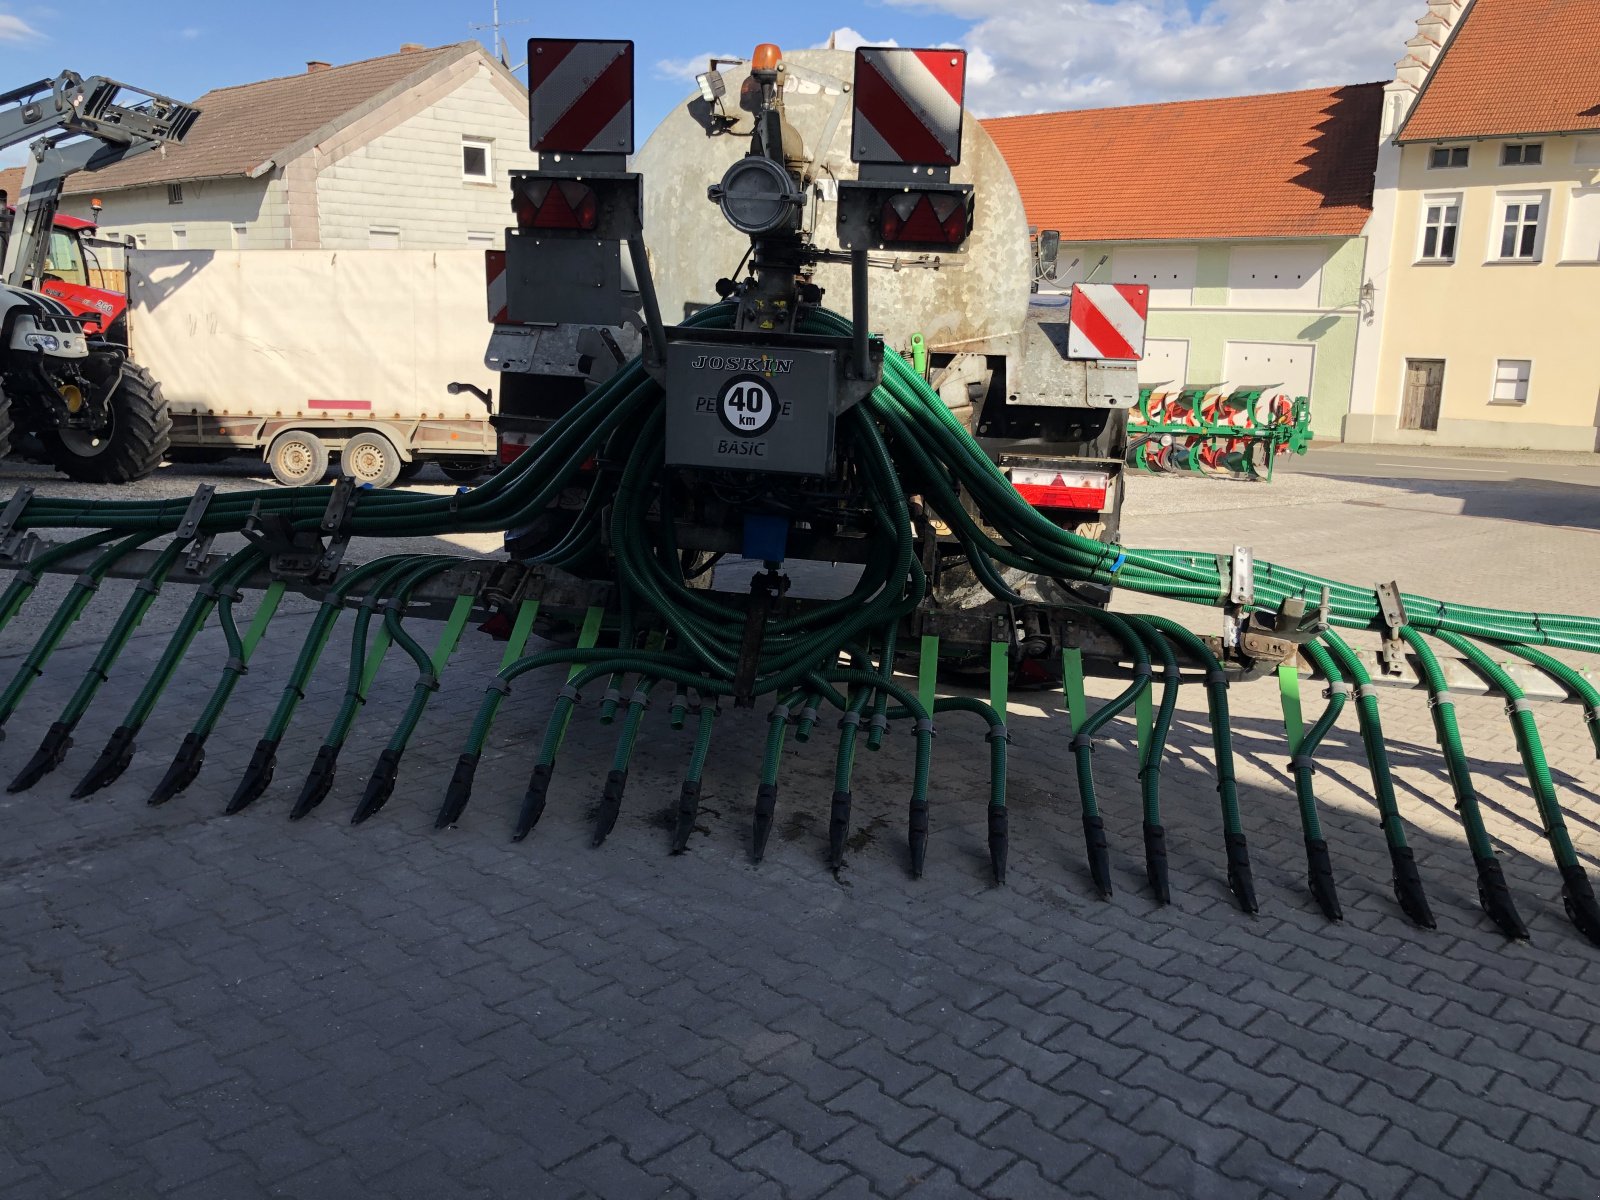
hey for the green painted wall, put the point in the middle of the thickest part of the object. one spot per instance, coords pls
(1333, 333)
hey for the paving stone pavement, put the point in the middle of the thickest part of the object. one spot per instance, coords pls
(194, 1005)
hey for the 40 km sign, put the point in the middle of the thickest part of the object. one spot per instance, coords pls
(747, 405)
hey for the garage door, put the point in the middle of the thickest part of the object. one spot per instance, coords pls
(1283, 368)
(1165, 364)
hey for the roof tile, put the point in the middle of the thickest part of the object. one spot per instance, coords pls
(244, 126)
(1514, 67)
(1289, 164)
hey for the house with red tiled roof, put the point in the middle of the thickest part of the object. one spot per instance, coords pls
(1486, 233)
(1244, 215)
(405, 150)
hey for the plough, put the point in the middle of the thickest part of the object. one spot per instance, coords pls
(620, 509)
(1240, 432)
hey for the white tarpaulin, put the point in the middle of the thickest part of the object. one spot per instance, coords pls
(306, 332)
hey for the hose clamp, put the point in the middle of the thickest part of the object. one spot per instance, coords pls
(429, 680)
(237, 665)
(1366, 691)
(879, 723)
(1518, 704)
(1216, 678)
(808, 715)
(998, 733)
(925, 725)
(1082, 741)
(1303, 762)
(612, 696)
(569, 693)
(780, 713)
(1337, 687)
(88, 582)
(503, 686)
(27, 578)
(1591, 716)
(640, 697)
(148, 586)
(849, 720)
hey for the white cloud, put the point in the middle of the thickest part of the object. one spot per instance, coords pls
(845, 38)
(687, 68)
(189, 33)
(1039, 55)
(15, 29)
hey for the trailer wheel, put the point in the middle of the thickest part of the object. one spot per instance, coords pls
(370, 458)
(133, 446)
(297, 458)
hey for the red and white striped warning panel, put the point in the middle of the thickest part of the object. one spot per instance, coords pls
(580, 96)
(908, 106)
(1107, 320)
(494, 269)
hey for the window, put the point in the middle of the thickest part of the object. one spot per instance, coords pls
(1441, 221)
(1522, 154)
(476, 166)
(1521, 228)
(63, 259)
(141, 240)
(180, 238)
(174, 193)
(1511, 381)
(1447, 156)
(379, 238)
(241, 236)
(1583, 226)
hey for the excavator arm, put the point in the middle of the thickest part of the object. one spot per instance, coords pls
(75, 124)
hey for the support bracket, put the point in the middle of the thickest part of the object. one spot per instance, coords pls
(11, 538)
(1393, 611)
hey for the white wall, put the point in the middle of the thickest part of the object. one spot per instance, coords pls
(1275, 275)
(1168, 270)
(1165, 364)
(1284, 368)
(210, 209)
(409, 177)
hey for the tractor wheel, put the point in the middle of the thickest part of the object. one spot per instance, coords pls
(133, 446)
(370, 458)
(463, 470)
(297, 458)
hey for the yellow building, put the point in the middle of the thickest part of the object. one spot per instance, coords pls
(1484, 281)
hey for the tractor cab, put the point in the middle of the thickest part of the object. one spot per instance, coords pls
(69, 266)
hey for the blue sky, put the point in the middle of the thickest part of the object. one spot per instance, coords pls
(1027, 55)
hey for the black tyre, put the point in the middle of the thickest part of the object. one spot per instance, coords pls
(131, 448)
(297, 458)
(410, 470)
(370, 458)
(464, 470)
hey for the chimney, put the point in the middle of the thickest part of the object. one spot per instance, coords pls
(316, 64)
(412, 47)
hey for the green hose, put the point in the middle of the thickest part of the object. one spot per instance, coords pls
(1408, 889)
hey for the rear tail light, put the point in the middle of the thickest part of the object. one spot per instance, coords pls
(1083, 490)
(939, 218)
(556, 204)
(513, 444)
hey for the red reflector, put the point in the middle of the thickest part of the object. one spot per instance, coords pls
(1043, 495)
(556, 204)
(511, 451)
(924, 217)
